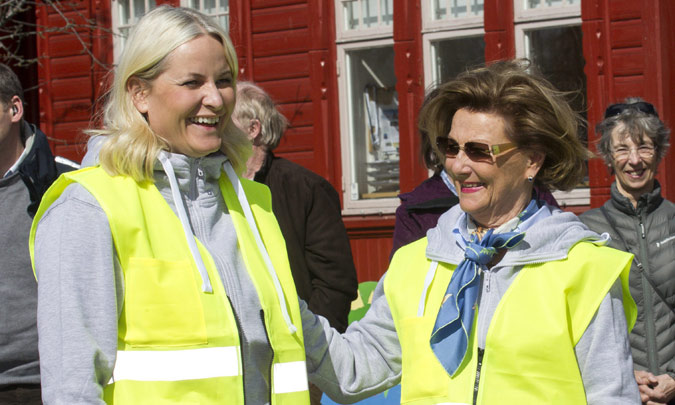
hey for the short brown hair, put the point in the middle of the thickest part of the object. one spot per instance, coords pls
(538, 117)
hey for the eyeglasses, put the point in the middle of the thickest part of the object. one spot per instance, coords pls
(476, 151)
(643, 106)
(623, 153)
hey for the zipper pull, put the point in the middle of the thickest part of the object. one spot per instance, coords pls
(642, 227)
(487, 281)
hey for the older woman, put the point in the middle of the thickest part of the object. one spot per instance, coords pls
(163, 277)
(508, 300)
(633, 140)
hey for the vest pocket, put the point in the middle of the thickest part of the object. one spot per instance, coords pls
(162, 306)
(423, 376)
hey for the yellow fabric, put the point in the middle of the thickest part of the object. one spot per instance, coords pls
(164, 307)
(529, 355)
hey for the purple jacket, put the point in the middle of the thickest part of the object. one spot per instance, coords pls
(420, 209)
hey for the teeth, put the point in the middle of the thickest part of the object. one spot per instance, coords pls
(205, 120)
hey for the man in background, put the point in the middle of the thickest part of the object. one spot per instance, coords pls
(27, 169)
(307, 208)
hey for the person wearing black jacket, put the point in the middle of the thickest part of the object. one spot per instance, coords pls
(307, 208)
(27, 169)
(640, 221)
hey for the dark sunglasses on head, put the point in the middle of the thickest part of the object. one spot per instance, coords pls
(476, 151)
(643, 106)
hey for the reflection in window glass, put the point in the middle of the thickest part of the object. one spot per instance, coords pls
(217, 9)
(363, 14)
(129, 12)
(369, 12)
(455, 55)
(139, 8)
(452, 9)
(562, 64)
(374, 143)
(123, 7)
(540, 4)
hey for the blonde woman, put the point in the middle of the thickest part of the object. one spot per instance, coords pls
(162, 275)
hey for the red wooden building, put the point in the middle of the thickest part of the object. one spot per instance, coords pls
(351, 75)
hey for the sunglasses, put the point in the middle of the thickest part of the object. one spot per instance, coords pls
(476, 151)
(643, 106)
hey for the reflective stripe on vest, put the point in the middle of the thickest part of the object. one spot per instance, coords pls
(169, 328)
(529, 355)
(141, 365)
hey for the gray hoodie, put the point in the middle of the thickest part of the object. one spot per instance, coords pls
(81, 285)
(367, 358)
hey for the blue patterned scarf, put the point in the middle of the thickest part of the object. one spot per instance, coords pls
(450, 336)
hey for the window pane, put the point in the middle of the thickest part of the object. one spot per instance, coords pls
(439, 9)
(476, 7)
(455, 55)
(195, 4)
(454, 9)
(369, 13)
(532, 4)
(123, 12)
(374, 145)
(209, 6)
(458, 8)
(139, 9)
(351, 19)
(387, 12)
(562, 64)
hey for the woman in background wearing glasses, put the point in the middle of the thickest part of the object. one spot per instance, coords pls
(633, 140)
(508, 300)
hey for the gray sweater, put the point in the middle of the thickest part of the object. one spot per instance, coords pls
(81, 288)
(367, 358)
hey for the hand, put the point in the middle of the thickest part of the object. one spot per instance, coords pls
(655, 390)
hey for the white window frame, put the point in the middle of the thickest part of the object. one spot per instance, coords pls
(118, 39)
(522, 14)
(385, 205)
(216, 16)
(578, 195)
(428, 39)
(431, 25)
(344, 35)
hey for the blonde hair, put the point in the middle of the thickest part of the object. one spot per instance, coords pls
(130, 146)
(537, 117)
(254, 103)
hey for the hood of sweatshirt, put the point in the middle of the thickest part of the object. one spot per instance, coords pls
(549, 235)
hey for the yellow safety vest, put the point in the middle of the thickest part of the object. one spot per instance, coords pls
(177, 344)
(529, 353)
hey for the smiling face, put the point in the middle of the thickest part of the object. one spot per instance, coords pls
(190, 102)
(634, 172)
(492, 193)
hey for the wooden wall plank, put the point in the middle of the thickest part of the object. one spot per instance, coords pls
(71, 66)
(289, 91)
(628, 62)
(626, 34)
(72, 88)
(297, 139)
(281, 67)
(257, 4)
(280, 18)
(276, 43)
(624, 10)
(299, 114)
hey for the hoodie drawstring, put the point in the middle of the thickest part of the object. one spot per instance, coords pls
(243, 201)
(182, 215)
(427, 282)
